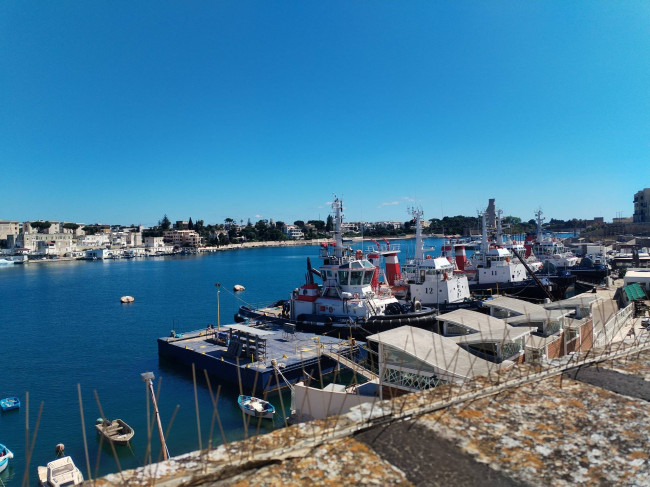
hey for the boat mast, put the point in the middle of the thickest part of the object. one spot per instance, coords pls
(484, 240)
(499, 234)
(337, 206)
(538, 217)
(148, 377)
(419, 245)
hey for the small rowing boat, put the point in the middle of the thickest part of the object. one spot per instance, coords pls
(9, 403)
(116, 431)
(256, 407)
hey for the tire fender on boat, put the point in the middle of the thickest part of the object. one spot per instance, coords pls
(417, 306)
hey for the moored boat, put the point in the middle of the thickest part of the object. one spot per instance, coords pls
(430, 281)
(59, 473)
(550, 249)
(116, 431)
(350, 301)
(9, 403)
(5, 456)
(256, 407)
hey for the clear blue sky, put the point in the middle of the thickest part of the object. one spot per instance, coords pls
(119, 112)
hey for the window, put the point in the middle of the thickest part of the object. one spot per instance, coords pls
(355, 278)
(367, 277)
(343, 277)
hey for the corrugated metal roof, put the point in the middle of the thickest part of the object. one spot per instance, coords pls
(634, 291)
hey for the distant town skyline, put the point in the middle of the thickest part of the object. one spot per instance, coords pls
(121, 112)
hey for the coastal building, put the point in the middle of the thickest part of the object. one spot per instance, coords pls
(8, 227)
(349, 227)
(485, 336)
(390, 225)
(157, 245)
(182, 225)
(74, 228)
(182, 238)
(41, 226)
(561, 327)
(413, 359)
(639, 276)
(293, 231)
(46, 243)
(97, 240)
(642, 206)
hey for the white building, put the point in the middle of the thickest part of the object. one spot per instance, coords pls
(293, 231)
(97, 240)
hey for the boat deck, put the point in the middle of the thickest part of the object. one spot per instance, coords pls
(295, 353)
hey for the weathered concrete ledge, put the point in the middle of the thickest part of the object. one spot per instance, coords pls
(560, 425)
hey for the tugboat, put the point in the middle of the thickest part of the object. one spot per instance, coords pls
(496, 270)
(431, 281)
(549, 249)
(350, 301)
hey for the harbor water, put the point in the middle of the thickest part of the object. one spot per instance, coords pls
(64, 328)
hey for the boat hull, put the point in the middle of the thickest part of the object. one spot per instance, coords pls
(6, 455)
(560, 287)
(340, 325)
(255, 407)
(9, 403)
(116, 431)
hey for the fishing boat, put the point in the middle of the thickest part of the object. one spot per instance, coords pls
(115, 431)
(59, 473)
(350, 301)
(256, 407)
(9, 403)
(5, 456)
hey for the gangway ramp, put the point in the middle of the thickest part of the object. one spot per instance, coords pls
(351, 365)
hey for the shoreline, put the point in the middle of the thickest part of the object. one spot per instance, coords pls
(243, 245)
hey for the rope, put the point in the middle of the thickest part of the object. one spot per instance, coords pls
(275, 366)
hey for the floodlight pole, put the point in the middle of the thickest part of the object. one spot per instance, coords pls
(148, 377)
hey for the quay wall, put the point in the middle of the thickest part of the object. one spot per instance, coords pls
(579, 423)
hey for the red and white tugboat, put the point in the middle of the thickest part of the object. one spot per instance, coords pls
(350, 299)
(430, 281)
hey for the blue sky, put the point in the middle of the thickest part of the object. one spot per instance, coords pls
(120, 112)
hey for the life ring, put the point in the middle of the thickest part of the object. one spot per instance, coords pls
(417, 306)
(428, 256)
(445, 276)
(507, 259)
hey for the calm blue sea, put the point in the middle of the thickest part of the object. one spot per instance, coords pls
(63, 325)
